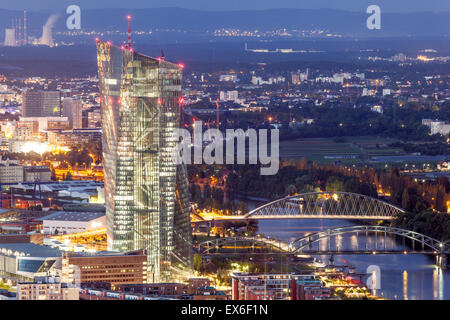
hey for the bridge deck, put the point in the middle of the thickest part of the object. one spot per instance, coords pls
(313, 253)
(301, 216)
(321, 216)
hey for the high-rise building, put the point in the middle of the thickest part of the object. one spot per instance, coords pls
(146, 192)
(72, 109)
(41, 104)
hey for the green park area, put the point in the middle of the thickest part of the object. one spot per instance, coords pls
(348, 150)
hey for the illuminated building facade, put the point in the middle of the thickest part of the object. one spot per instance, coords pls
(72, 109)
(113, 269)
(146, 193)
(41, 104)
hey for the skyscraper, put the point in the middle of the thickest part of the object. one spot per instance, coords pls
(146, 193)
(72, 109)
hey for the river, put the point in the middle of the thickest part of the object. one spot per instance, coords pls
(403, 276)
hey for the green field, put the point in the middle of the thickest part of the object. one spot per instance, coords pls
(324, 150)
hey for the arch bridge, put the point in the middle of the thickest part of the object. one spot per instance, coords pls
(420, 244)
(248, 245)
(326, 205)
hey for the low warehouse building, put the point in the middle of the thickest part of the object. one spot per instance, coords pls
(63, 222)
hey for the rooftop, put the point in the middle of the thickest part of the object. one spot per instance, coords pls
(28, 249)
(73, 216)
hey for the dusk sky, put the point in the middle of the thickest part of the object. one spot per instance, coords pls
(351, 5)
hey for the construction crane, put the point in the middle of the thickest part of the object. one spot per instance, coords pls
(37, 181)
(217, 105)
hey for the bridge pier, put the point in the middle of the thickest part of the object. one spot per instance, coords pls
(441, 261)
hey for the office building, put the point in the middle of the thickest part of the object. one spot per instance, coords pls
(11, 171)
(46, 288)
(111, 268)
(146, 194)
(258, 286)
(94, 119)
(74, 137)
(41, 103)
(44, 123)
(72, 109)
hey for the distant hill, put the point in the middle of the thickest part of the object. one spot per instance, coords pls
(336, 21)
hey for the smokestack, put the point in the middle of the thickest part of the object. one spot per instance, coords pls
(16, 27)
(20, 33)
(13, 26)
(25, 35)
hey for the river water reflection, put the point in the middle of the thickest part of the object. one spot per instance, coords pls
(410, 276)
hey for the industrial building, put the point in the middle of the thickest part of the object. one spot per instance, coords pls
(63, 222)
(13, 221)
(58, 192)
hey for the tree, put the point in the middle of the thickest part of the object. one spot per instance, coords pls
(334, 184)
(68, 176)
(291, 190)
(406, 200)
(198, 262)
(53, 177)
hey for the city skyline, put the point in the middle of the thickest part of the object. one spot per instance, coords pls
(314, 147)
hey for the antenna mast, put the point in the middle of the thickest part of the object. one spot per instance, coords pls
(129, 32)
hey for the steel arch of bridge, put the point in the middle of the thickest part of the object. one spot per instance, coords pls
(326, 205)
(208, 247)
(436, 246)
(297, 246)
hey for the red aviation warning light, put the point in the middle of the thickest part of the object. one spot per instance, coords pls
(181, 101)
(181, 65)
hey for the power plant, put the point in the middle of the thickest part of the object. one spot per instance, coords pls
(10, 38)
(17, 34)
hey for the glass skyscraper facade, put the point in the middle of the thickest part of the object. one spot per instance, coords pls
(146, 192)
